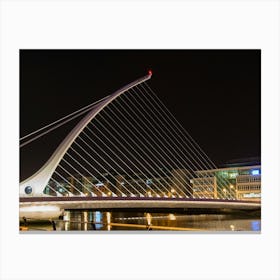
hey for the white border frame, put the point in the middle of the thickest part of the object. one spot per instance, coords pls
(139, 24)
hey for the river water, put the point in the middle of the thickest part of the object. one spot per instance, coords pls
(145, 221)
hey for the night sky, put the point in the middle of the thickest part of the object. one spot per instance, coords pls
(214, 94)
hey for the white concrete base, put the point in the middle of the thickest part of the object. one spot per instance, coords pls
(40, 212)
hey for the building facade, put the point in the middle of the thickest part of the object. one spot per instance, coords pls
(232, 182)
(242, 183)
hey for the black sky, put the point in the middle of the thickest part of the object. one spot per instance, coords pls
(214, 94)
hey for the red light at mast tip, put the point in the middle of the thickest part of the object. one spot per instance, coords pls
(150, 72)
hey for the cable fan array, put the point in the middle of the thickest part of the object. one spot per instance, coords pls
(134, 147)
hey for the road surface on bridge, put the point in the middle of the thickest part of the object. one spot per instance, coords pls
(136, 202)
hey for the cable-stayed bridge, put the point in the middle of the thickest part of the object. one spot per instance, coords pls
(127, 151)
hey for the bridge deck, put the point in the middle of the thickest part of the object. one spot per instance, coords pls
(136, 202)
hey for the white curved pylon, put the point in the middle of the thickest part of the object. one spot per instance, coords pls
(35, 184)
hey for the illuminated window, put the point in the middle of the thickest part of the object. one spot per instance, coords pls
(224, 174)
(256, 172)
(149, 181)
(233, 175)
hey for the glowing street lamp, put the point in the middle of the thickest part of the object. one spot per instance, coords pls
(149, 219)
(233, 190)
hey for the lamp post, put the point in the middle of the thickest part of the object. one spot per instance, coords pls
(225, 191)
(232, 189)
(172, 192)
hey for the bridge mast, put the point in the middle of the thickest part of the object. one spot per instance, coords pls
(35, 184)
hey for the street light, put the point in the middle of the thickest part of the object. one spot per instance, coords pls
(232, 188)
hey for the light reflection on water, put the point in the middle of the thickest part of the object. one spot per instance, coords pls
(106, 221)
